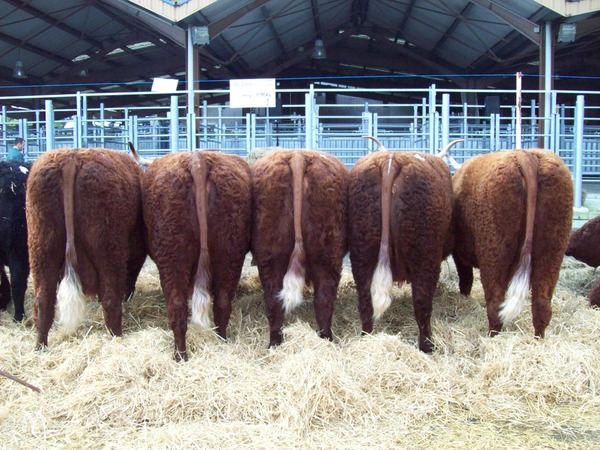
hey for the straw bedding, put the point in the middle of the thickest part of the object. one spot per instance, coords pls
(379, 391)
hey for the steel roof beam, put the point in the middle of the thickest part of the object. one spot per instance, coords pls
(457, 21)
(57, 23)
(269, 19)
(220, 25)
(162, 27)
(527, 28)
(33, 49)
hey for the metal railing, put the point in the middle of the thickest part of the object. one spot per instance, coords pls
(332, 119)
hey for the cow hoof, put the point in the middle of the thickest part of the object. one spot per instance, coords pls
(426, 346)
(181, 356)
(327, 335)
(43, 348)
(19, 318)
(276, 339)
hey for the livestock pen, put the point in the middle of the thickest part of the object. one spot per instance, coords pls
(377, 391)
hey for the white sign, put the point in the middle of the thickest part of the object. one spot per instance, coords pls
(164, 85)
(252, 93)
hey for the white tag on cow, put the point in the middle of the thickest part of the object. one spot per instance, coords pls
(24, 169)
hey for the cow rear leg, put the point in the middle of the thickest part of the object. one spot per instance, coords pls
(222, 310)
(423, 289)
(465, 277)
(275, 315)
(44, 308)
(326, 285)
(363, 288)
(113, 312)
(4, 289)
(494, 293)
(541, 304)
(19, 272)
(177, 312)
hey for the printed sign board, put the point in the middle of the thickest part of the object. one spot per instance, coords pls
(252, 93)
(164, 85)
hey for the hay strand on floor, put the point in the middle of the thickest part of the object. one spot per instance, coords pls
(376, 391)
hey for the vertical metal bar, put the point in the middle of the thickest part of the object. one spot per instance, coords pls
(84, 122)
(445, 120)
(253, 130)
(532, 131)
(308, 113)
(248, 133)
(548, 70)
(102, 134)
(174, 124)
(205, 122)
(50, 131)
(519, 99)
(492, 132)
(191, 132)
(432, 119)
(190, 72)
(578, 141)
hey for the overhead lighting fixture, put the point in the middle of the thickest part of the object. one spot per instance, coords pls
(567, 32)
(319, 50)
(84, 73)
(19, 71)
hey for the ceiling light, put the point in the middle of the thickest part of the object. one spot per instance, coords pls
(319, 50)
(19, 71)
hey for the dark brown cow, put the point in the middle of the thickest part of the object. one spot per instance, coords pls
(584, 246)
(84, 215)
(512, 219)
(299, 232)
(400, 212)
(197, 209)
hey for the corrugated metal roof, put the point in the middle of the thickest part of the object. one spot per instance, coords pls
(58, 41)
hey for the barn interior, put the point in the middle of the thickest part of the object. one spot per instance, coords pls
(117, 45)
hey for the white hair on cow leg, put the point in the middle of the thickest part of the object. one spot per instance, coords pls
(291, 294)
(201, 306)
(517, 291)
(381, 285)
(70, 301)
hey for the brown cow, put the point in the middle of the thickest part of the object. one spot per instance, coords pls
(299, 232)
(512, 219)
(584, 246)
(197, 209)
(400, 212)
(84, 215)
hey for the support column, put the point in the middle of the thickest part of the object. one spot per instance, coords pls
(545, 83)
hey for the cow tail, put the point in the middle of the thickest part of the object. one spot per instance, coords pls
(293, 281)
(517, 291)
(201, 297)
(70, 297)
(382, 282)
